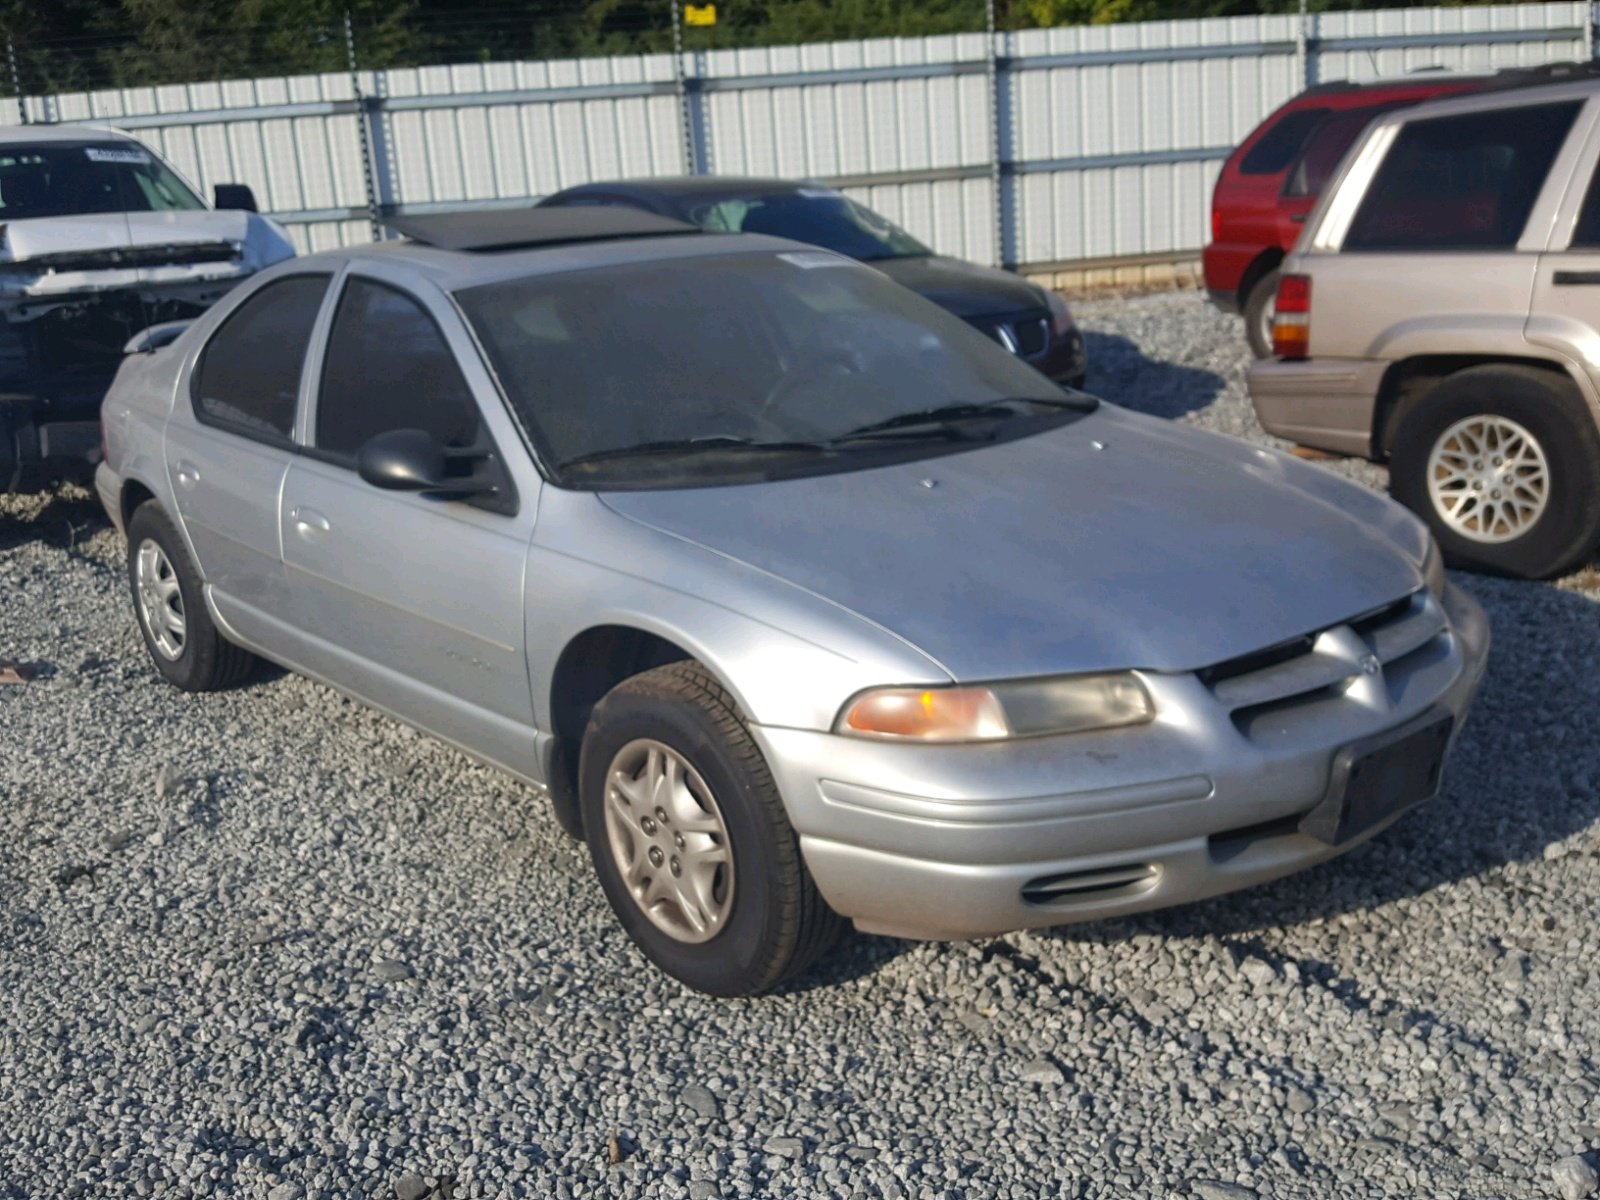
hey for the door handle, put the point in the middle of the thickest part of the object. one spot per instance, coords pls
(1298, 218)
(309, 521)
(1575, 278)
(187, 475)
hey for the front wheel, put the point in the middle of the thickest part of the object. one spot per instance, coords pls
(1503, 463)
(690, 838)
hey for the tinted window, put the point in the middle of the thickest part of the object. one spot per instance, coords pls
(1587, 232)
(739, 367)
(1457, 183)
(820, 216)
(1278, 146)
(1325, 149)
(249, 375)
(62, 181)
(388, 367)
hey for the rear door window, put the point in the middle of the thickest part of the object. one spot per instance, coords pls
(1461, 183)
(248, 380)
(1278, 146)
(389, 367)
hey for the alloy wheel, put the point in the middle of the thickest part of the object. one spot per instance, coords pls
(1488, 479)
(669, 841)
(160, 600)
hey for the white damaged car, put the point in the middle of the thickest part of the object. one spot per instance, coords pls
(99, 240)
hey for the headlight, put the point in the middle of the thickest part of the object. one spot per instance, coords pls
(1433, 568)
(1060, 314)
(1070, 704)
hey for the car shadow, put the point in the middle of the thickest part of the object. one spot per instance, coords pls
(1120, 372)
(1522, 778)
(65, 515)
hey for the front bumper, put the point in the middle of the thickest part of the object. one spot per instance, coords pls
(952, 842)
(1325, 403)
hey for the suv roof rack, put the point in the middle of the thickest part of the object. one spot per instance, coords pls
(1550, 72)
(526, 228)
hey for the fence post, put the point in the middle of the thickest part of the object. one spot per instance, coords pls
(692, 164)
(16, 81)
(1306, 44)
(1001, 179)
(1592, 33)
(361, 127)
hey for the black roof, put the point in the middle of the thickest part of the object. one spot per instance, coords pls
(521, 228)
(687, 187)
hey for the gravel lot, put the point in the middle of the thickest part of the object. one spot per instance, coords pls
(268, 944)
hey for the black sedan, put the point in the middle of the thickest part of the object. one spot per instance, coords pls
(1031, 322)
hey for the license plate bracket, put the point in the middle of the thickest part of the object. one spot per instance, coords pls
(1380, 776)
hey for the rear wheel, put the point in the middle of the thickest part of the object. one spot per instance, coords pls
(690, 838)
(1260, 307)
(1503, 462)
(184, 643)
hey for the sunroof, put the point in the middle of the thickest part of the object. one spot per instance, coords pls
(519, 228)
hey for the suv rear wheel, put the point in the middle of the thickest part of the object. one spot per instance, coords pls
(1503, 462)
(690, 838)
(1260, 307)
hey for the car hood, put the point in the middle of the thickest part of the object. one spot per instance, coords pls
(108, 241)
(1116, 542)
(963, 288)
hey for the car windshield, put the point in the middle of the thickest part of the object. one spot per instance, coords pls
(746, 367)
(819, 216)
(44, 180)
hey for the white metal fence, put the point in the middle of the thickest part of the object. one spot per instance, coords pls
(1105, 140)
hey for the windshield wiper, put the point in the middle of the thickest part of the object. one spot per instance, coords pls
(694, 446)
(943, 421)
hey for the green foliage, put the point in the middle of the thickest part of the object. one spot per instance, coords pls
(69, 45)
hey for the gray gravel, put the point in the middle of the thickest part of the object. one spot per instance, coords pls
(269, 944)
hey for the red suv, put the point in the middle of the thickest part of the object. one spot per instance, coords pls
(1271, 182)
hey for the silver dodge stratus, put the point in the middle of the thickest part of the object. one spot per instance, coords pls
(805, 601)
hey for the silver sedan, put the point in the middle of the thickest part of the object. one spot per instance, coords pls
(805, 602)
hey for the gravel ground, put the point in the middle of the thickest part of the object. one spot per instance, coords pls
(269, 944)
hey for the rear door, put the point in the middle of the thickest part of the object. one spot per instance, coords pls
(229, 447)
(412, 601)
(1565, 312)
(1443, 230)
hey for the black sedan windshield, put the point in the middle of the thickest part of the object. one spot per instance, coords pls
(819, 216)
(44, 180)
(745, 367)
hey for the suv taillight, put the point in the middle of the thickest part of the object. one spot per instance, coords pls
(1216, 222)
(1291, 325)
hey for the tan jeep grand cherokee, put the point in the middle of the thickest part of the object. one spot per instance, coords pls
(1442, 311)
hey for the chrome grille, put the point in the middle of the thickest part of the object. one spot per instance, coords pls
(1024, 334)
(1352, 657)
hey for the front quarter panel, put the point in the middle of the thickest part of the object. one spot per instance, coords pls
(789, 658)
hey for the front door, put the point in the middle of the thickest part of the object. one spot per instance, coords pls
(412, 601)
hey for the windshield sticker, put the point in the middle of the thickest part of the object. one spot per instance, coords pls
(815, 258)
(814, 193)
(99, 154)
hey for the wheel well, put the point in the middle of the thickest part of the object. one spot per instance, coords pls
(591, 665)
(1266, 261)
(1407, 382)
(134, 494)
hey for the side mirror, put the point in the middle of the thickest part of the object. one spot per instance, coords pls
(412, 460)
(234, 195)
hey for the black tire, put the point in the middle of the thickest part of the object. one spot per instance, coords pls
(206, 661)
(1551, 409)
(777, 924)
(1258, 308)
